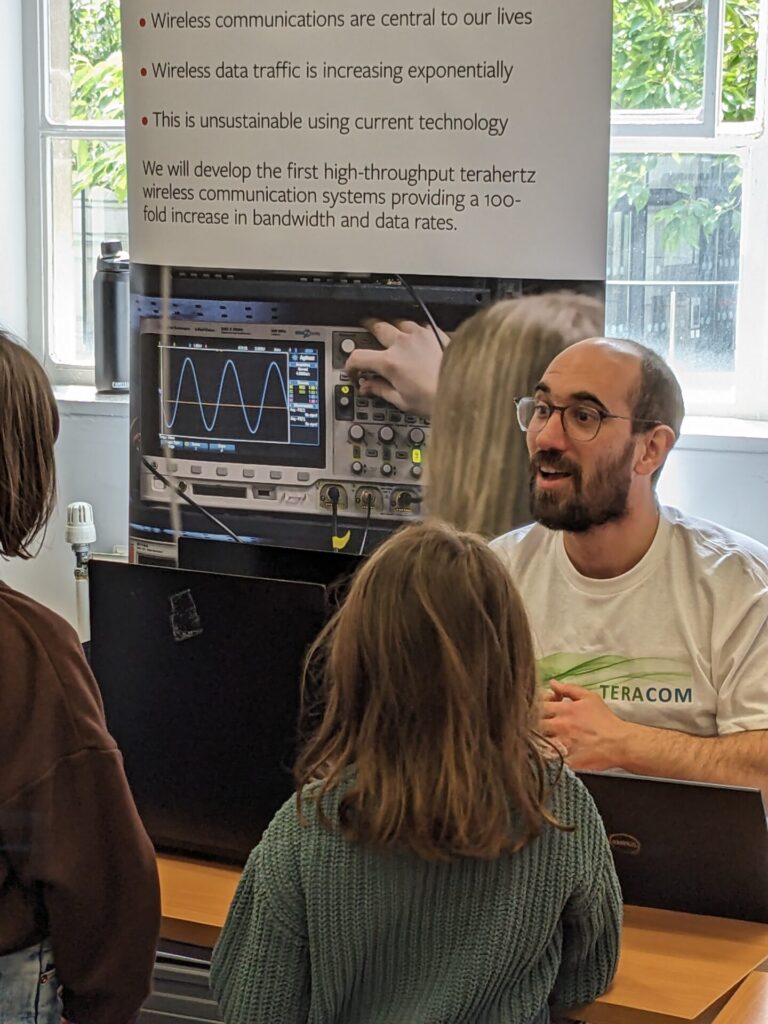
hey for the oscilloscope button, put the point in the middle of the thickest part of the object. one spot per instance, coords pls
(302, 477)
(275, 474)
(357, 467)
(196, 470)
(387, 470)
(344, 401)
(386, 434)
(356, 432)
(249, 474)
(416, 435)
(348, 346)
(417, 471)
(222, 471)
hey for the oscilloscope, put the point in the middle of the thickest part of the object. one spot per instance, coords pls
(239, 398)
(240, 417)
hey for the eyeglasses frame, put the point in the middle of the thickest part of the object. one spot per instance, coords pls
(562, 409)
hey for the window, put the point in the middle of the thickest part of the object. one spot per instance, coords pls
(77, 170)
(686, 265)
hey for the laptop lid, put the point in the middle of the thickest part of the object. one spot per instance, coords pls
(266, 560)
(693, 847)
(200, 678)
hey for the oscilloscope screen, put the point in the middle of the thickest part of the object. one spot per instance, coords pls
(261, 403)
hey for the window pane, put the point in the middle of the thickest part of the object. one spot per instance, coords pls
(658, 54)
(89, 206)
(740, 60)
(86, 63)
(673, 255)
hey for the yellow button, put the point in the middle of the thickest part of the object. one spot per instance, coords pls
(416, 456)
(345, 390)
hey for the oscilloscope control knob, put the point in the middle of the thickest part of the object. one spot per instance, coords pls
(357, 467)
(387, 470)
(348, 346)
(386, 435)
(344, 401)
(416, 435)
(416, 471)
(356, 432)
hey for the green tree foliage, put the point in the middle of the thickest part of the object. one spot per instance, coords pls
(658, 54)
(94, 29)
(658, 64)
(740, 60)
(96, 91)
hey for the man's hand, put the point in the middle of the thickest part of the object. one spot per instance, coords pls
(582, 725)
(406, 371)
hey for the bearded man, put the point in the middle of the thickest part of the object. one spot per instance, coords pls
(652, 625)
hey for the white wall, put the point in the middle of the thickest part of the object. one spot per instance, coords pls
(92, 464)
(722, 479)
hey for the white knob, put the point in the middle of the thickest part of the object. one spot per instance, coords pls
(80, 528)
(348, 346)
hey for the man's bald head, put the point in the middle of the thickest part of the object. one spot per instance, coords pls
(653, 391)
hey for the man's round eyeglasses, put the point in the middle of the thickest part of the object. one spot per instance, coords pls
(580, 422)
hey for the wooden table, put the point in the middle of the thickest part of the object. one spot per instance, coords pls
(677, 967)
(674, 968)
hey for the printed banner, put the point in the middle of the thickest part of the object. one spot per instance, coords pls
(461, 138)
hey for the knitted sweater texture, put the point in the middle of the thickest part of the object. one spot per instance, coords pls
(325, 931)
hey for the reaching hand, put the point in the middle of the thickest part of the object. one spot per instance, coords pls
(406, 370)
(582, 725)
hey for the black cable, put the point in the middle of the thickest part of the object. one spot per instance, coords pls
(418, 300)
(334, 495)
(369, 506)
(190, 501)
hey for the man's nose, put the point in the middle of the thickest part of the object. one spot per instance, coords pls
(551, 434)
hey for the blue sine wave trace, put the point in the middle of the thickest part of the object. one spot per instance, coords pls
(209, 421)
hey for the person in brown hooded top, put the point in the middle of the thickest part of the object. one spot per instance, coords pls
(79, 898)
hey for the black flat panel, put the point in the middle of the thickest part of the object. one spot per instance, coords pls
(694, 847)
(200, 675)
(324, 567)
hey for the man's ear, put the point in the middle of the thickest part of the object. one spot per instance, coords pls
(655, 446)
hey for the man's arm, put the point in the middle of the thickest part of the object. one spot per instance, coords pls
(406, 370)
(596, 739)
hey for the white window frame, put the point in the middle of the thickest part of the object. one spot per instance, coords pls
(41, 131)
(745, 395)
(698, 131)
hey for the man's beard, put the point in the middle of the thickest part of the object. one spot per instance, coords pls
(604, 500)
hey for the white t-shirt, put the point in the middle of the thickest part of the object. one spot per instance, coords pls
(680, 641)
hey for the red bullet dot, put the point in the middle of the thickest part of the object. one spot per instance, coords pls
(145, 120)
(143, 72)
(142, 22)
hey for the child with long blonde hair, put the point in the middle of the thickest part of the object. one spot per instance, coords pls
(437, 863)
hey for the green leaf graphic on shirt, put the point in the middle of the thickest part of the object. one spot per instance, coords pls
(594, 673)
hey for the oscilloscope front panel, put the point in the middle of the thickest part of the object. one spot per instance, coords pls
(262, 417)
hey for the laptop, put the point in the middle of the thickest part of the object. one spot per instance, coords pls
(332, 569)
(688, 846)
(200, 678)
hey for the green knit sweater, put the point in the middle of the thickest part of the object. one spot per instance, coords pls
(324, 931)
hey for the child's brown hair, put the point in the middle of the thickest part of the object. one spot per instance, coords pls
(429, 703)
(29, 425)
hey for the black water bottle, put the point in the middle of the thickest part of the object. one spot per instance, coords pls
(111, 318)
